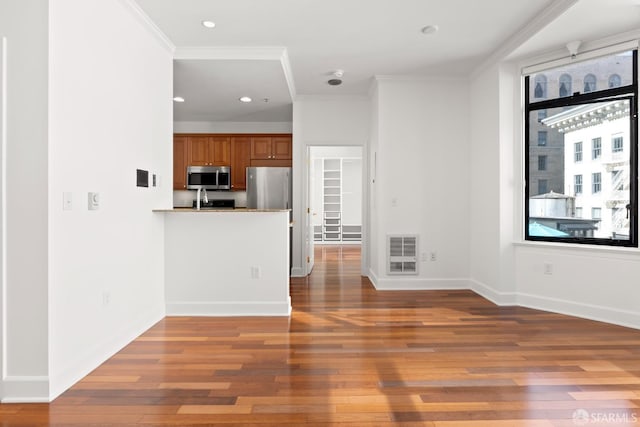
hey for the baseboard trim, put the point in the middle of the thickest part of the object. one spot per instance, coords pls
(598, 313)
(297, 272)
(416, 284)
(25, 389)
(496, 297)
(231, 308)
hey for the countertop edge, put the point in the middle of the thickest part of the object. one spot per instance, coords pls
(227, 210)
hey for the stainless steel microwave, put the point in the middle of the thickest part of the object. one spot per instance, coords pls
(208, 177)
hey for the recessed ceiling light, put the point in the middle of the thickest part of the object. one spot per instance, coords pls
(178, 99)
(245, 99)
(208, 24)
(429, 29)
(334, 82)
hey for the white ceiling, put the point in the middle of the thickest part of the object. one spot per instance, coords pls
(365, 38)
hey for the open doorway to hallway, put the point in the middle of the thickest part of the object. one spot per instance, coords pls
(335, 197)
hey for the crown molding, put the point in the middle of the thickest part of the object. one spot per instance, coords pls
(148, 24)
(540, 21)
(274, 53)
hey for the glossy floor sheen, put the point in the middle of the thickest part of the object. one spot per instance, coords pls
(352, 356)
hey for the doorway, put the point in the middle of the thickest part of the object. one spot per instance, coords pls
(335, 191)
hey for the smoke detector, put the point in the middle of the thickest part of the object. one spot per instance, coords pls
(338, 78)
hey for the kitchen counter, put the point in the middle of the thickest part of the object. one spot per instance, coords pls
(223, 264)
(239, 210)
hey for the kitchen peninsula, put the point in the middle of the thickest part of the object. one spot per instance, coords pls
(231, 262)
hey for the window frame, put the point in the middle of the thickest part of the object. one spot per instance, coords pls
(614, 140)
(596, 184)
(596, 153)
(576, 184)
(578, 156)
(542, 162)
(627, 92)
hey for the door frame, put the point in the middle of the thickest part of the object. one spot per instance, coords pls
(3, 192)
(308, 248)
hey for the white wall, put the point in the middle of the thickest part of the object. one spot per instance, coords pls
(232, 127)
(25, 369)
(111, 113)
(321, 121)
(422, 179)
(494, 209)
(593, 282)
(217, 264)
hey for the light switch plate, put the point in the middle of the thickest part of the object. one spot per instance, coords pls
(93, 200)
(67, 201)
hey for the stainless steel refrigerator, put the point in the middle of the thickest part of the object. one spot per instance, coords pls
(269, 188)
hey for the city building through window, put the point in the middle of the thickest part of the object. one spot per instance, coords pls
(592, 198)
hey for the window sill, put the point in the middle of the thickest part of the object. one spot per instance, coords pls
(608, 251)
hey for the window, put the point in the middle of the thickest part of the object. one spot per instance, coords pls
(577, 152)
(542, 163)
(617, 180)
(596, 148)
(617, 144)
(589, 83)
(542, 186)
(585, 144)
(542, 138)
(596, 182)
(565, 85)
(540, 90)
(542, 114)
(615, 80)
(577, 184)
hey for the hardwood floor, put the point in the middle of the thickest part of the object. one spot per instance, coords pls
(350, 355)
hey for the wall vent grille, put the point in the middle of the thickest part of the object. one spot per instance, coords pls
(402, 254)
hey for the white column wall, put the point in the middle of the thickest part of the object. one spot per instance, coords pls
(111, 113)
(25, 368)
(422, 179)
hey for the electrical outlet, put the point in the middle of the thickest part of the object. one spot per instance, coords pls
(106, 298)
(255, 272)
(433, 256)
(423, 256)
(548, 268)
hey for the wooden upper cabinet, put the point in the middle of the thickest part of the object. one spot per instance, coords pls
(240, 161)
(281, 148)
(199, 148)
(261, 147)
(180, 162)
(209, 150)
(269, 148)
(220, 147)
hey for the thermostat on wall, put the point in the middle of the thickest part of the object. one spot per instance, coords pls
(142, 178)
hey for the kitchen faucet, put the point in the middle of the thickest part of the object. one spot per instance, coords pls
(206, 198)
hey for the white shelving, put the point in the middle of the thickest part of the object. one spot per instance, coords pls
(340, 200)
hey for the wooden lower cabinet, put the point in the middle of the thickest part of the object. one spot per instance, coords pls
(240, 161)
(238, 151)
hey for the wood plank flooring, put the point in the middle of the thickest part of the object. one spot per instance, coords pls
(352, 356)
